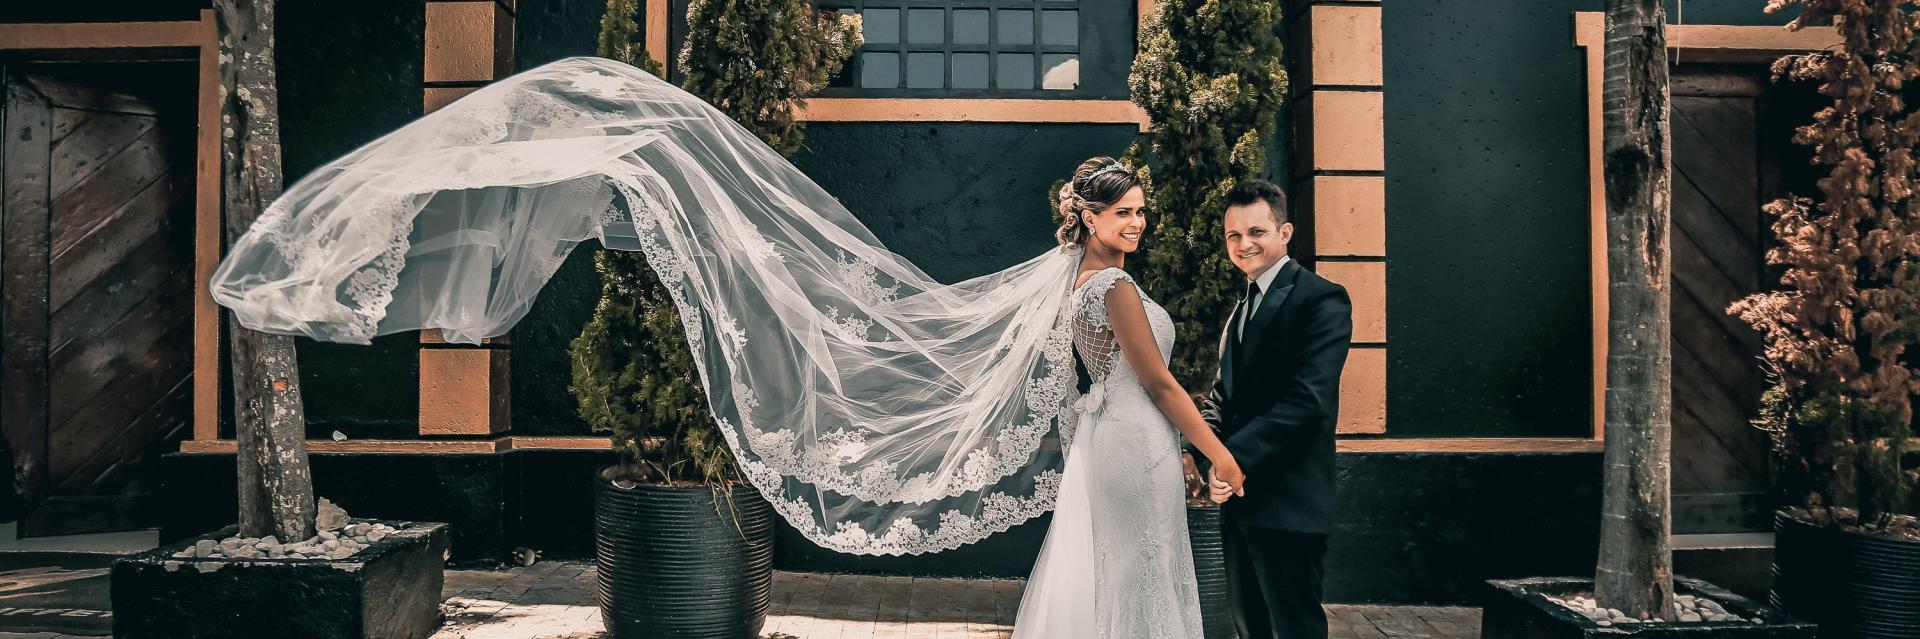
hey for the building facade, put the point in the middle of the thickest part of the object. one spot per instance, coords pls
(1442, 157)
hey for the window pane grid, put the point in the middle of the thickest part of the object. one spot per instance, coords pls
(965, 45)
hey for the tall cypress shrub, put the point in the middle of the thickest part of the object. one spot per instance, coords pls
(1209, 74)
(633, 371)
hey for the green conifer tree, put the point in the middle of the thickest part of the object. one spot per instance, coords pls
(1209, 74)
(633, 371)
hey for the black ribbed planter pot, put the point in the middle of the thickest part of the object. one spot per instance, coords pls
(1210, 571)
(1854, 585)
(673, 568)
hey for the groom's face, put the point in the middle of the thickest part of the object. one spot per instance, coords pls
(1255, 238)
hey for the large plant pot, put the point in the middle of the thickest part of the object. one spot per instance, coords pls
(1853, 585)
(1519, 609)
(671, 567)
(390, 590)
(1210, 571)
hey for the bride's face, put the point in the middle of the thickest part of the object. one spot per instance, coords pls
(1120, 226)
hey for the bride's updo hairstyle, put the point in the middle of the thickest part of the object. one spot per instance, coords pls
(1096, 185)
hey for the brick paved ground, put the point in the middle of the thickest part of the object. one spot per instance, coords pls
(555, 600)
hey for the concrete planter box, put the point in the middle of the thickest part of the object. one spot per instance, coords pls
(1519, 609)
(390, 590)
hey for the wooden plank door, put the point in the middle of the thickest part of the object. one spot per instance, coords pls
(98, 288)
(1720, 470)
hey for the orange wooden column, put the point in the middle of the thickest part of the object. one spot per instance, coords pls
(469, 43)
(464, 389)
(1341, 153)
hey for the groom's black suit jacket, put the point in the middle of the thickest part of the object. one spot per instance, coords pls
(1277, 397)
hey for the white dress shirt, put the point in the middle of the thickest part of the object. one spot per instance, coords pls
(1266, 283)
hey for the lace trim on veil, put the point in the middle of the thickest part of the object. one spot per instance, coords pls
(774, 460)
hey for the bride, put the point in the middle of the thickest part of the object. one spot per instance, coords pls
(1120, 519)
(879, 411)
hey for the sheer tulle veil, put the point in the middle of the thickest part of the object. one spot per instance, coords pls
(880, 411)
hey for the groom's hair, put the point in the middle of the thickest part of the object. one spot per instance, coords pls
(1256, 190)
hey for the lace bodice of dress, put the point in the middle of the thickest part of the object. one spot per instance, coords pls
(1093, 329)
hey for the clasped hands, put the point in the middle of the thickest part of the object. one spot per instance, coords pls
(1218, 486)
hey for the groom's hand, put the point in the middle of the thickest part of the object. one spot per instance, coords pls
(1195, 485)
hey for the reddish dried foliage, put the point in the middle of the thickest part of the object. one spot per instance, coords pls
(1840, 327)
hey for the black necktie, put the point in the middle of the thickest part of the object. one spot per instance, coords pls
(1246, 313)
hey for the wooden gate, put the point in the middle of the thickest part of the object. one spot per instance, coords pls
(96, 272)
(1720, 235)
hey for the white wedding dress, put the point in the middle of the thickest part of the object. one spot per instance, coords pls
(1116, 562)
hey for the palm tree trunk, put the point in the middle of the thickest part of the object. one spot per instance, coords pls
(276, 486)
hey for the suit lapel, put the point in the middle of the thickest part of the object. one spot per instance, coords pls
(1269, 307)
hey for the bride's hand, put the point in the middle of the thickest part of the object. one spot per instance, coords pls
(1196, 486)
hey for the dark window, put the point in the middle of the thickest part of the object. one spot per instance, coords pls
(989, 48)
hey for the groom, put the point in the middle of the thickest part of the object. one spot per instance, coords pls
(1274, 404)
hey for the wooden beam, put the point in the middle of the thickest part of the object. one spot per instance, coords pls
(972, 110)
(559, 443)
(504, 444)
(104, 35)
(206, 237)
(26, 172)
(365, 446)
(1471, 445)
(656, 31)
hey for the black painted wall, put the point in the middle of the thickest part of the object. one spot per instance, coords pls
(1487, 282)
(1413, 527)
(351, 72)
(102, 10)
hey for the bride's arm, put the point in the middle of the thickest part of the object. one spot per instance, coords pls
(1135, 336)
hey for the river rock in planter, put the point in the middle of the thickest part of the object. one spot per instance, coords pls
(389, 590)
(1552, 608)
(328, 517)
(328, 543)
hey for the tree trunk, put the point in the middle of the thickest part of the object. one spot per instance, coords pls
(276, 487)
(1635, 571)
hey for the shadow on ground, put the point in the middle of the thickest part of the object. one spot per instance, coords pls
(55, 592)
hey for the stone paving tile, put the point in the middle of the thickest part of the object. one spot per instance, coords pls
(556, 600)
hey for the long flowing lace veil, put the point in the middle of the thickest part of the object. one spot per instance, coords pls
(880, 411)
